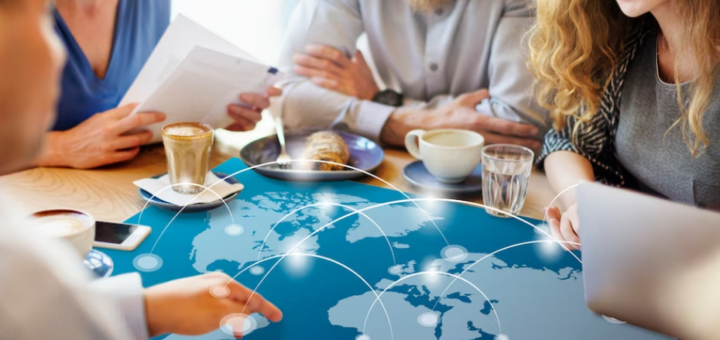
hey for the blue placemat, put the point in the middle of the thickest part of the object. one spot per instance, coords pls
(527, 291)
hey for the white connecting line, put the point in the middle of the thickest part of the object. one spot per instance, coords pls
(361, 212)
(322, 258)
(555, 199)
(457, 277)
(492, 254)
(262, 247)
(377, 299)
(232, 219)
(282, 257)
(296, 160)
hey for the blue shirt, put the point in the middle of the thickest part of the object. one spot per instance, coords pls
(139, 26)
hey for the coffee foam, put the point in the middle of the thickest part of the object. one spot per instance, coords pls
(61, 224)
(185, 130)
(451, 139)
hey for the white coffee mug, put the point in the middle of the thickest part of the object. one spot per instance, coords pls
(75, 227)
(450, 155)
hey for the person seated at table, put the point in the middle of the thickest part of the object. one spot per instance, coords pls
(43, 289)
(108, 42)
(441, 58)
(662, 58)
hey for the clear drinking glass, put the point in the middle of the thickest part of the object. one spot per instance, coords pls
(506, 173)
(187, 148)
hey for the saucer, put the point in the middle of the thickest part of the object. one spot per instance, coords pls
(365, 155)
(418, 175)
(99, 263)
(197, 207)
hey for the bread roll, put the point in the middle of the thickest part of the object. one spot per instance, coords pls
(326, 146)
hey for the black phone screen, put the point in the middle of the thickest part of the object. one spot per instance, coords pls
(115, 233)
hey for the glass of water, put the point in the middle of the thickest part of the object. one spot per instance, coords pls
(506, 174)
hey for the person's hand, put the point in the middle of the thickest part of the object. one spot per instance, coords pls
(460, 114)
(565, 227)
(103, 139)
(333, 70)
(187, 307)
(248, 115)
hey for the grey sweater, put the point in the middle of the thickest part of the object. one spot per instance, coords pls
(656, 155)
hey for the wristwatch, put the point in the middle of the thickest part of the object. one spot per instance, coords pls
(388, 97)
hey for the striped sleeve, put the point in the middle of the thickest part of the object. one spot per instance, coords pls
(591, 140)
(595, 139)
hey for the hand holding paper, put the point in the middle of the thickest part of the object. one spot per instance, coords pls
(246, 118)
(194, 75)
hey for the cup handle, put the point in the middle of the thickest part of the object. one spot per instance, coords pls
(411, 145)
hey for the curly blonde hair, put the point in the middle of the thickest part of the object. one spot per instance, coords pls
(575, 46)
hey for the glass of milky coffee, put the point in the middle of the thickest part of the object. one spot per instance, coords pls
(74, 227)
(188, 147)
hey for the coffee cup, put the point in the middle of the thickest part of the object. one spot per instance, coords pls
(75, 227)
(450, 155)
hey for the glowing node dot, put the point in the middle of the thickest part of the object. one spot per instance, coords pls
(502, 337)
(257, 270)
(429, 319)
(363, 337)
(613, 321)
(234, 230)
(238, 324)
(220, 292)
(454, 253)
(147, 262)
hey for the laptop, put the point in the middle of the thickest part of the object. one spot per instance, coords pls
(651, 262)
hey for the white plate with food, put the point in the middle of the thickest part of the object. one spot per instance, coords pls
(318, 155)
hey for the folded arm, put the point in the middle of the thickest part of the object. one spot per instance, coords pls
(318, 94)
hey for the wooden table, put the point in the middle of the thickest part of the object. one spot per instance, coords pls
(109, 194)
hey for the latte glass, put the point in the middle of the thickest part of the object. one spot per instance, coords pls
(506, 175)
(187, 148)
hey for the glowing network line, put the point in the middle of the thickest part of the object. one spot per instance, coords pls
(282, 257)
(294, 160)
(492, 254)
(555, 199)
(360, 211)
(232, 219)
(322, 258)
(434, 199)
(262, 247)
(433, 273)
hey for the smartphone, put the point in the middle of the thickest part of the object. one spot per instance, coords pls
(119, 236)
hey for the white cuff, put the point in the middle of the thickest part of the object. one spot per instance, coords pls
(371, 118)
(126, 292)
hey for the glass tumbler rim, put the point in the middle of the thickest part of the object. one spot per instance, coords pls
(210, 131)
(527, 154)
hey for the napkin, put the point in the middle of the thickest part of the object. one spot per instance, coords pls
(160, 187)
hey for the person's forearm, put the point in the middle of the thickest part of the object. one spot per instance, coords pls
(565, 169)
(402, 121)
(305, 104)
(51, 155)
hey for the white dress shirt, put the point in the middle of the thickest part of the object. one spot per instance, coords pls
(428, 57)
(45, 293)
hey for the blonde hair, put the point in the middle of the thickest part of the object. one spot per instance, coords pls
(576, 45)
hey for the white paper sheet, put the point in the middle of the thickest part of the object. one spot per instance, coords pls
(193, 74)
(160, 187)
